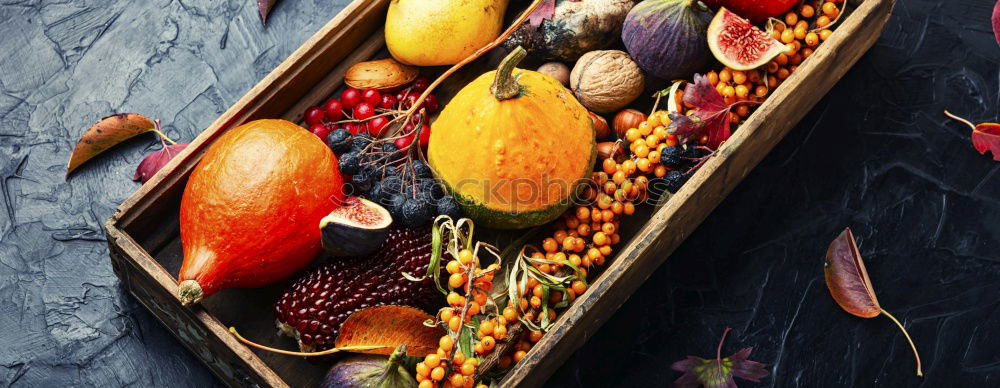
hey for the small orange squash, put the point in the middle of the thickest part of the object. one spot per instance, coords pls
(513, 147)
(250, 212)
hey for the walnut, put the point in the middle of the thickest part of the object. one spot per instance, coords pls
(606, 80)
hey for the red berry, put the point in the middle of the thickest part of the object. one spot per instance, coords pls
(363, 111)
(321, 130)
(425, 135)
(352, 128)
(388, 101)
(421, 83)
(333, 110)
(377, 126)
(314, 115)
(431, 103)
(350, 97)
(410, 99)
(371, 96)
(404, 142)
(363, 128)
(400, 96)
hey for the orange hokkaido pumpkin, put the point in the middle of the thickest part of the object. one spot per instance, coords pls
(250, 212)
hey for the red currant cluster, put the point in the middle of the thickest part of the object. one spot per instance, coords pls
(370, 112)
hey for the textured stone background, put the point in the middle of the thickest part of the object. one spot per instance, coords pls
(876, 154)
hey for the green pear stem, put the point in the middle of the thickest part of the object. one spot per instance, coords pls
(920, 372)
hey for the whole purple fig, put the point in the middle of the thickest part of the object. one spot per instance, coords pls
(667, 38)
(370, 371)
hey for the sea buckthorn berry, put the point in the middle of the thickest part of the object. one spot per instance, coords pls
(628, 210)
(772, 66)
(607, 215)
(523, 304)
(457, 380)
(465, 257)
(660, 132)
(728, 91)
(534, 336)
(742, 91)
(782, 73)
(800, 33)
(791, 18)
(830, 10)
(549, 245)
(455, 299)
(432, 360)
(654, 158)
(643, 165)
(787, 36)
(617, 207)
(825, 34)
(713, 78)
(583, 229)
(453, 267)
(807, 52)
(619, 176)
(519, 355)
(473, 309)
(500, 332)
(807, 11)
(509, 313)
(488, 343)
(640, 151)
(437, 373)
(739, 77)
(456, 280)
(423, 370)
(578, 287)
(447, 313)
(601, 238)
(822, 21)
(660, 171)
(446, 343)
(652, 140)
(628, 167)
(761, 91)
(583, 213)
(605, 250)
(458, 359)
(486, 327)
(645, 129)
(609, 165)
(725, 75)
(536, 302)
(721, 86)
(743, 110)
(734, 118)
(455, 323)
(559, 235)
(425, 384)
(812, 39)
(781, 60)
(468, 369)
(653, 120)
(610, 187)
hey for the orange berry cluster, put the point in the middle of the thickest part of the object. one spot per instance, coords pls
(585, 234)
(456, 366)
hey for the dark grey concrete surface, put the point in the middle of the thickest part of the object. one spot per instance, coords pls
(876, 154)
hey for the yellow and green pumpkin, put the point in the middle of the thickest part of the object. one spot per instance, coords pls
(513, 147)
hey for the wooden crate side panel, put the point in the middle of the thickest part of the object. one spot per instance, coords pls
(204, 336)
(651, 246)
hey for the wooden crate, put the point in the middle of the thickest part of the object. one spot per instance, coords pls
(143, 235)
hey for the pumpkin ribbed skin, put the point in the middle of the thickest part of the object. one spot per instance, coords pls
(251, 209)
(513, 163)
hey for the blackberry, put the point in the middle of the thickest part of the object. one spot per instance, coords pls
(349, 163)
(394, 204)
(672, 157)
(391, 171)
(449, 206)
(674, 180)
(415, 213)
(375, 192)
(422, 169)
(317, 303)
(361, 141)
(430, 186)
(363, 179)
(339, 141)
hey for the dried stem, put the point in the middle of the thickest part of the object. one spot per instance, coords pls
(916, 355)
(304, 354)
(967, 122)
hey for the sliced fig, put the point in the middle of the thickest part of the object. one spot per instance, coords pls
(739, 44)
(355, 229)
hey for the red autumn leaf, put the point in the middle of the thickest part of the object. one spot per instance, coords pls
(386, 328)
(107, 133)
(996, 21)
(264, 6)
(848, 281)
(546, 10)
(718, 373)
(711, 114)
(985, 136)
(155, 161)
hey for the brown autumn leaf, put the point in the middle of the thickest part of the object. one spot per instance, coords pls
(387, 327)
(107, 133)
(848, 281)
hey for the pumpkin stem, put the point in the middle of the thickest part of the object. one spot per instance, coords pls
(504, 85)
(190, 292)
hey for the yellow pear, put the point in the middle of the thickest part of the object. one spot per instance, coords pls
(441, 32)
